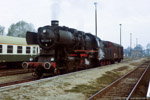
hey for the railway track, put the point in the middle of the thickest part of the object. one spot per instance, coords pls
(124, 87)
(17, 82)
(7, 72)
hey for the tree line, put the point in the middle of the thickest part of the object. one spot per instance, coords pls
(137, 51)
(18, 29)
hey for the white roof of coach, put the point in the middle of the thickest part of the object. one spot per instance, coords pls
(12, 40)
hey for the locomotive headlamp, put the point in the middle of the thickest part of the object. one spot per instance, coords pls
(52, 59)
(44, 30)
(31, 59)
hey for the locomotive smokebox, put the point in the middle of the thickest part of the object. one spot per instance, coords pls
(54, 23)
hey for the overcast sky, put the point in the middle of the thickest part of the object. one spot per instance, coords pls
(134, 15)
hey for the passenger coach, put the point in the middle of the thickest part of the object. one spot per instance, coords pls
(14, 51)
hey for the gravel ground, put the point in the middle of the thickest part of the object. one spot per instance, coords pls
(53, 88)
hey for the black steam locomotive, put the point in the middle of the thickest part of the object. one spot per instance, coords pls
(65, 50)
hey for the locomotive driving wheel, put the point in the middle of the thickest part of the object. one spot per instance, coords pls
(38, 72)
(56, 71)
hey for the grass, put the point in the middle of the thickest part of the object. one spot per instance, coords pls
(99, 83)
(63, 85)
(67, 84)
(121, 68)
(135, 64)
(138, 63)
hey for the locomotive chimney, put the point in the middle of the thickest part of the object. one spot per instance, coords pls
(54, 23)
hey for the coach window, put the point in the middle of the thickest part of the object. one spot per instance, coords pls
(1, 48)
(19, 49)
(9, 49)
(27, 49)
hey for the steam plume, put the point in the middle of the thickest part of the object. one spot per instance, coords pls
(55, 9)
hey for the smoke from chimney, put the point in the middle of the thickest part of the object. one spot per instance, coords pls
(55, 9)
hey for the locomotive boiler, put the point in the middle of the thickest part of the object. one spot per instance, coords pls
(64, 49)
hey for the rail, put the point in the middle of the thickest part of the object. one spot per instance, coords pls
(106, 89)
(17, 82)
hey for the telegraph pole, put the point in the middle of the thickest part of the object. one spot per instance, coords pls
(95, 3)
(120, 33)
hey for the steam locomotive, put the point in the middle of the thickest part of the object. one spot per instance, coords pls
(64, 49)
